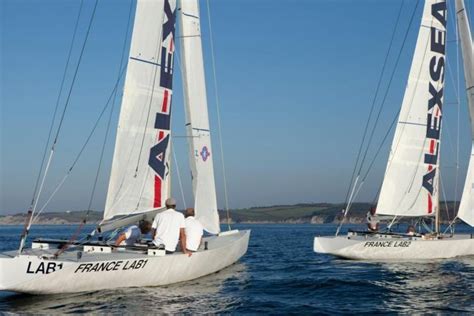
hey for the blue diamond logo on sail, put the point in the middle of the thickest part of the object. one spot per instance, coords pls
(205, 153)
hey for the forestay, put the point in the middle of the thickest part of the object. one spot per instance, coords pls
(140, 173)
(466, 208)
(410, 186)
(197, 119)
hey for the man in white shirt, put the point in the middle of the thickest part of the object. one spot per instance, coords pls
(372, 220)
(194, 231)
(168, 228)
(133, 234)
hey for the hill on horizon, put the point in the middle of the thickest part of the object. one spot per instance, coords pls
(317, 213)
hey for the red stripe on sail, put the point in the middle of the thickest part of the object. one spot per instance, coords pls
(430, 204)
(432, 144)
(164, 107)
(157, 199)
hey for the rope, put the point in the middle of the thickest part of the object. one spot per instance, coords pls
(382, 105)
(389, 84)
(75, 73)
(28, 226)
(56, 107)
(158, 49)
(121, 70)
(444, 196)
(369, 118)
(179, 176)
(78, 156)
(458, 108)
(124, 46)
(394, 221)
(218, 114)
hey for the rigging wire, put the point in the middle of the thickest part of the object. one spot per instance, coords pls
(35, 203)
(124, 47)
(349, 202)
(213, 61)
(369, 118)
(78, 157)
(444, 197)
(178, 173)
(75, 73)
(158, 50)
(86, 142)
(458, 109)
(389, 84)
(71, 45)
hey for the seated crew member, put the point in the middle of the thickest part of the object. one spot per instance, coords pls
(168, 228)
(372, 220)
(194, 231)
(133, 234)
(411, 231)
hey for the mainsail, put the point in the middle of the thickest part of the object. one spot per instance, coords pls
(139, 180)
(197, 119)
(466, 207)
(410, 186)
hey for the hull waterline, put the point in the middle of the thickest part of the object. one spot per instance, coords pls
(29, 273)
(381, 247)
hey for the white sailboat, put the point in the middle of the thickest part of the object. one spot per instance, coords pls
(411, 182)
(140, 178)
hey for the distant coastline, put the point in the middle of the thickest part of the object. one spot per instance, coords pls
(307, 213)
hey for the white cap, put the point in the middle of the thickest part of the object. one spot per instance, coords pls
(170, 202)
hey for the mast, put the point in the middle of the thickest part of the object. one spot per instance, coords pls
(411, 181)
(197, 118)
(466, 206)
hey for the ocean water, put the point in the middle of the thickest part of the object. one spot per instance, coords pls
(280, 274)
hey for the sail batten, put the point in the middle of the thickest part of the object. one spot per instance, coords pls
(410, 186)
(197, 118)
(466, 207)
(140, 174)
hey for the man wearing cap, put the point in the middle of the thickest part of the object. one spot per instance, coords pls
(168, 228)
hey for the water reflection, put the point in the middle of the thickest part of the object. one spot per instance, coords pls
(428, 286)
(211, 294)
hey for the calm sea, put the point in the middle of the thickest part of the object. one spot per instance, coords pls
(279, 275)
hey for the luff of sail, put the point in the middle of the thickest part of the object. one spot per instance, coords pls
(139, 180)
(466, 207)
(410, 186)
(197, 119)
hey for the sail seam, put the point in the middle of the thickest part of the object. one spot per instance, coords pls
(412, 123)
(190, 15)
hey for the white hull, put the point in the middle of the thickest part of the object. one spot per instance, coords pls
(29, 273)
(382, 247)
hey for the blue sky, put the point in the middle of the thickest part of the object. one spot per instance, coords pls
(295, 79)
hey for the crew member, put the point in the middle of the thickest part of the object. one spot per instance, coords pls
(372, 220)
(411, 231)
(133, 234)
(194, 231)
(168, 228)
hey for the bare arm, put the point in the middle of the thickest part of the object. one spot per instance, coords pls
(153, 233)
(120, 238)
(182, 238)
